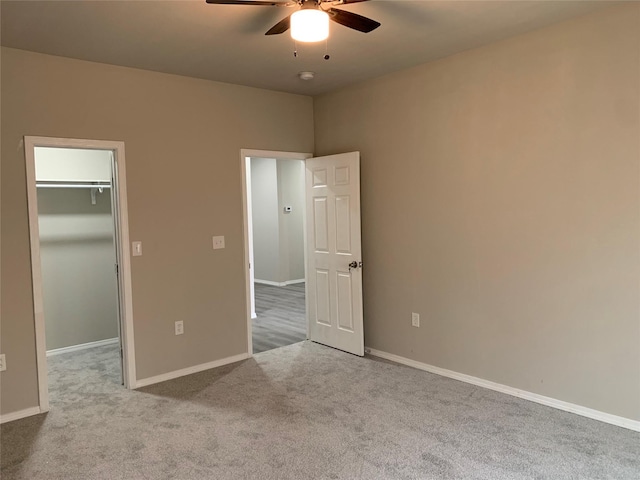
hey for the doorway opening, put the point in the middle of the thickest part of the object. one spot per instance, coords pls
(274, 201)
(80, 264)
(332, 247)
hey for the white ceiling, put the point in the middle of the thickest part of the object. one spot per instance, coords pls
(227, 42)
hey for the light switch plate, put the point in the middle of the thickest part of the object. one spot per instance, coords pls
(218, 242)
(136, 248)
(179, 327)
(3, 363)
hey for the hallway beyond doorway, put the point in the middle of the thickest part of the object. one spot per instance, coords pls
(280, 316)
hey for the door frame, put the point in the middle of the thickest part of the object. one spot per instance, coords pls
(121, 236)
(247, 228)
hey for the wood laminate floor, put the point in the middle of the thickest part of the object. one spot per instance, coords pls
(281, 316)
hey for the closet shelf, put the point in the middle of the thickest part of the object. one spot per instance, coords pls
(73, 184)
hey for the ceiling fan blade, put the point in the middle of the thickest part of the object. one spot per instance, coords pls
(251, 2)
(280, 27)
(353, 20)
(344, 2)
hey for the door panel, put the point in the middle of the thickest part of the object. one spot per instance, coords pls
(334, 242)
(322, 298)
(345, 300)
(320, 223)
(343, 225)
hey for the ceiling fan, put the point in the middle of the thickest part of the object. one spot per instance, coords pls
(310, 22)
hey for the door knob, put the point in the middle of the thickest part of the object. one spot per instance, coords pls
(355, 264)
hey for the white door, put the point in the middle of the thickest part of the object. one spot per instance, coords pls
(334, 273)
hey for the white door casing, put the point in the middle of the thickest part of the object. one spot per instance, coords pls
(249, 227)
(120, 210)
(245, 155)
(334, 281)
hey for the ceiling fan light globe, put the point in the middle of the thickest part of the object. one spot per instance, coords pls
(309, 25)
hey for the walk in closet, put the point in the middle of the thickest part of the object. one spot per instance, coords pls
(77, 251)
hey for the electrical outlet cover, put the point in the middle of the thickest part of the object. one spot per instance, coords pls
(218, 242)
(179, 327)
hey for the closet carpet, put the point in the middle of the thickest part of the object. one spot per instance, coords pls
(281, 316)
(302, 412)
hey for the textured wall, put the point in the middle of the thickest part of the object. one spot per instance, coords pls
(500, 200)
(183, 138)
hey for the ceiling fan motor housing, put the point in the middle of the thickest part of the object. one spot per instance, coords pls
(313, 4)
(311, 7)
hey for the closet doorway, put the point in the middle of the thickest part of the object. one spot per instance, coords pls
(275, 213)
(80, 263)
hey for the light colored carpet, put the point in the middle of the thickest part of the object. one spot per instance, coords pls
(302, 412)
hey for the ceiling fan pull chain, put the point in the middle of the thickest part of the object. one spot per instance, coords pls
(326, 49)
(295, 49)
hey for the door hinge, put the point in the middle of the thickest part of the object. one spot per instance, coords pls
(116, 268)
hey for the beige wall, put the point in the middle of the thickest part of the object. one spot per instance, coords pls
(264, 213)
(291, 193)
(500, 200)
(278, 236)
(183, 138)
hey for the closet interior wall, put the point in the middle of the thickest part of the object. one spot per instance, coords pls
(77, 254)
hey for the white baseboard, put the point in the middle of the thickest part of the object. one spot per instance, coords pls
(278, 284)
(188, 371)
(82, 346)
(27, 412)
(533, 397)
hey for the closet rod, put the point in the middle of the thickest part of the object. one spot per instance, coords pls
(73, 185)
